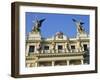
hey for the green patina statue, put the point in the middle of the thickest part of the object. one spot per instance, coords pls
(79, 24)
(37, 25)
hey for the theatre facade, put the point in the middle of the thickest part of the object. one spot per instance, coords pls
(57, 50)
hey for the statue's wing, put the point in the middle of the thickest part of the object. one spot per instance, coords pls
(81, 23)
(40, 22)
(74, 20)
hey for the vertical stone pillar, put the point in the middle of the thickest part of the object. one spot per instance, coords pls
(36, 64)
(27, 50)
(68, 62)
(53, 63)
(65, 48)
(82, 62)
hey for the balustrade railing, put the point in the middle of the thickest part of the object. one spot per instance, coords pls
(56, 51)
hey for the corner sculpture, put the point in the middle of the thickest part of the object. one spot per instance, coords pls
(37, 25)
(79, 24)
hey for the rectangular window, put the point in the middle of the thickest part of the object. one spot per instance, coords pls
(73, 47)
(85, 47)
(46, 47)
(31, 48)
(60, 47)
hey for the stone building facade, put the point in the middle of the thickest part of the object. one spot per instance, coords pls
(59, 50)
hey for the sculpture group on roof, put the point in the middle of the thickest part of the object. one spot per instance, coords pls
(38, 24)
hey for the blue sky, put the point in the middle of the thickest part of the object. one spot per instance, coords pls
(55, 23)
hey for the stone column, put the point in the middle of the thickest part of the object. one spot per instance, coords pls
(36, 64)
(53, 63)
(68, 62)
(27, 50)
(82, 62)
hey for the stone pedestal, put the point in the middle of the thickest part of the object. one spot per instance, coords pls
(82, 35)
(34, 36)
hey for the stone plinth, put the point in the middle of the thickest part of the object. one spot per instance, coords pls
(34, 36)
(82, 35)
